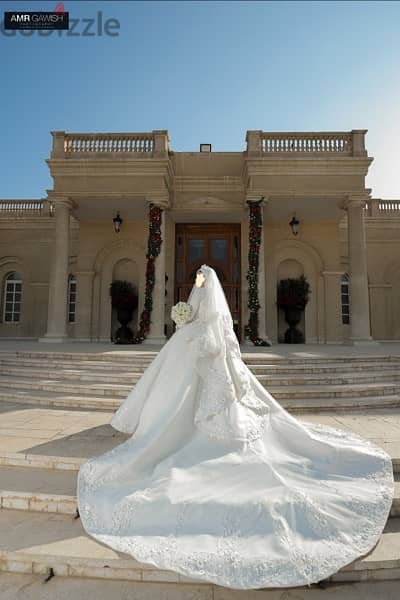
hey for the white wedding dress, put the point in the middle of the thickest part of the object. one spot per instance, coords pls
(218, 482)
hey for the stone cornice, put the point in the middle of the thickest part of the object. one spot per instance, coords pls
(104, 166)
(315, 165)
(207, 184)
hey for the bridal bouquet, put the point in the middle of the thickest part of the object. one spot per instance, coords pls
(181, 313)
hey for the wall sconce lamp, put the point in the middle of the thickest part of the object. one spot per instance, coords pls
(117, 223)
(294, 225)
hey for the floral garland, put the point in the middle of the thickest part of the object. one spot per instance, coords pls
(153, 250)
(255, 231)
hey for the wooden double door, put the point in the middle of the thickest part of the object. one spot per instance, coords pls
(217, 245)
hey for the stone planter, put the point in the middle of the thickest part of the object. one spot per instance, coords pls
(293, 317)
(124, 335)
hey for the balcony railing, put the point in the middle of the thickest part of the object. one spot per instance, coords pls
(19, 206)
(382, 208)
(307, 142)
(303, 143)
(79, 145)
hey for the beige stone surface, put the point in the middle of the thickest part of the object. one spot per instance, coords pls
(342, 229)
(55, 539)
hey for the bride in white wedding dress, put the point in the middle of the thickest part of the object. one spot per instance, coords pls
(218, 482)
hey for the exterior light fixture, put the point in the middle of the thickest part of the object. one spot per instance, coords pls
(205, 147)
(117, 223)
(294, 224)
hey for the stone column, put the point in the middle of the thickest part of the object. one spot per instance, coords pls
(156, 334)
(84, 296)
(261, 275)
(358, 289)
(332, 306)
(58, 288)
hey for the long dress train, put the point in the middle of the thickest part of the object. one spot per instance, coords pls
(219, 483)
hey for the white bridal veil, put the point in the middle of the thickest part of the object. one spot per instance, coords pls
(222, 409)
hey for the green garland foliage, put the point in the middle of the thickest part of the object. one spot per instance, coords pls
(255, 232)
(153, 250)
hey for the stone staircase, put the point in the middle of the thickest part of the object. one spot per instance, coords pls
(102, 381)
(61, 403)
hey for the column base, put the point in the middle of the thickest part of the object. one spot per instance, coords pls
(56, 339)
(360, 342)
(155, 340)
(249, 343)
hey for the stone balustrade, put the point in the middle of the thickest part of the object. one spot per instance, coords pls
(375, 207)
(344, 143)
(22, 205)
(307, 142)
(79, 145)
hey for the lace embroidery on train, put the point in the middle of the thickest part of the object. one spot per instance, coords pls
(305, 564)
(226, 409)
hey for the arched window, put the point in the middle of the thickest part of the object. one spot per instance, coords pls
(12, 297)
(344, 289)
(71, 298)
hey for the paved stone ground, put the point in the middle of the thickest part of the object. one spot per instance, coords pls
(31, 587)
(277, 350)
(80, 433)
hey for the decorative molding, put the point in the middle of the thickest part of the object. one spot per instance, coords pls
(39, 283)
(205, 184)
(209, 202)
(333, 273)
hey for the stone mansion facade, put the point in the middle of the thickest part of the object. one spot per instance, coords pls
(59, 254)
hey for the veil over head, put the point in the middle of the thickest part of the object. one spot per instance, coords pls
(214, 305)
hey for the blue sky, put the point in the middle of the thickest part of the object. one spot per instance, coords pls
(207, 72)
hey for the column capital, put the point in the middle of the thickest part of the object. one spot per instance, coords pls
(256, 197)
(357, 199)
(160, 200)
(59, 200)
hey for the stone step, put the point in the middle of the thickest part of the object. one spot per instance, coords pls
(323, 368)
(51, 490)
(83, 365)
(73, 463)
(134, 361)
(71, 374)
(126, 356)
(261, 358)
(318, 405)
(90, 388)
(307, 392)
(122, 376)
(41, 541)
(111, 356)
(30, 586)
(295, 400)
(335, 378)
(58, 399)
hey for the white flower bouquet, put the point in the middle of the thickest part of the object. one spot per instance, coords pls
(181, 313)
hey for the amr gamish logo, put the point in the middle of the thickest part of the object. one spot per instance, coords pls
(57, 22)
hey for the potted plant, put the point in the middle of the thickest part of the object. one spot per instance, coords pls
(292, 297)
(125, 300)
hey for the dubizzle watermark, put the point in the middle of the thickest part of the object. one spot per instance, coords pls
(58, 21)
